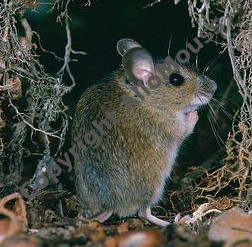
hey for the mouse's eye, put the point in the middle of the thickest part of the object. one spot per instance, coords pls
(176, 79)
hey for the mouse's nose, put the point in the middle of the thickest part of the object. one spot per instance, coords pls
(209, 84)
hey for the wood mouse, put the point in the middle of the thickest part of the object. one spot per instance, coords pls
(126, 173)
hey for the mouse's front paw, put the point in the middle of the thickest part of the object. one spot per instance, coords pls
(191, 120)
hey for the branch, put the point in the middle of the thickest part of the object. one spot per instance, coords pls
(30, 125)
(240, 82)
(27, 28)
(151, 4)
(68, 49)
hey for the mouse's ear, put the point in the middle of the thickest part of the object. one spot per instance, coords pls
(124, 45)
(136, 60)
(138, 64)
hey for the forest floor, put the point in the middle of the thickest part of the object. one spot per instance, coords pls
(38, 223)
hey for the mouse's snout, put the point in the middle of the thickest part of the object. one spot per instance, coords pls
(206, 87)
(209, 85)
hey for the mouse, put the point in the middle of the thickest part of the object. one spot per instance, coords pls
(141, 126)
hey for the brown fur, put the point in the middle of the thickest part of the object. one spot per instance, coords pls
(128, 170)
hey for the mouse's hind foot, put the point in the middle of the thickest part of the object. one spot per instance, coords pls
(102, 217)
(146, 214)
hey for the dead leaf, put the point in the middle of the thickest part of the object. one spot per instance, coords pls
(91, 230)
(19, 209)
(21, 241)
(137, 238)
(124, 227)
(135, 223)
(12, 220)
(15, 87)
(232, 226)
(8, 224)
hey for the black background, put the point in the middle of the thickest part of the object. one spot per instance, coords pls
(96, 30)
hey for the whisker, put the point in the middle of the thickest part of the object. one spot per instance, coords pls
(213, 117)
(212, 113)
(229, 116)
(217, 136)
(169, 45)
(197, 62)
(230, 100)
(210, 63)
(188, 63)
(223, 109)
(219, 106)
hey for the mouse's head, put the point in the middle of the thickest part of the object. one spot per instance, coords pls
(174, 89)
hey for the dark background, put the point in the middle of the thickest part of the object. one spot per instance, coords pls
(96, 30)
